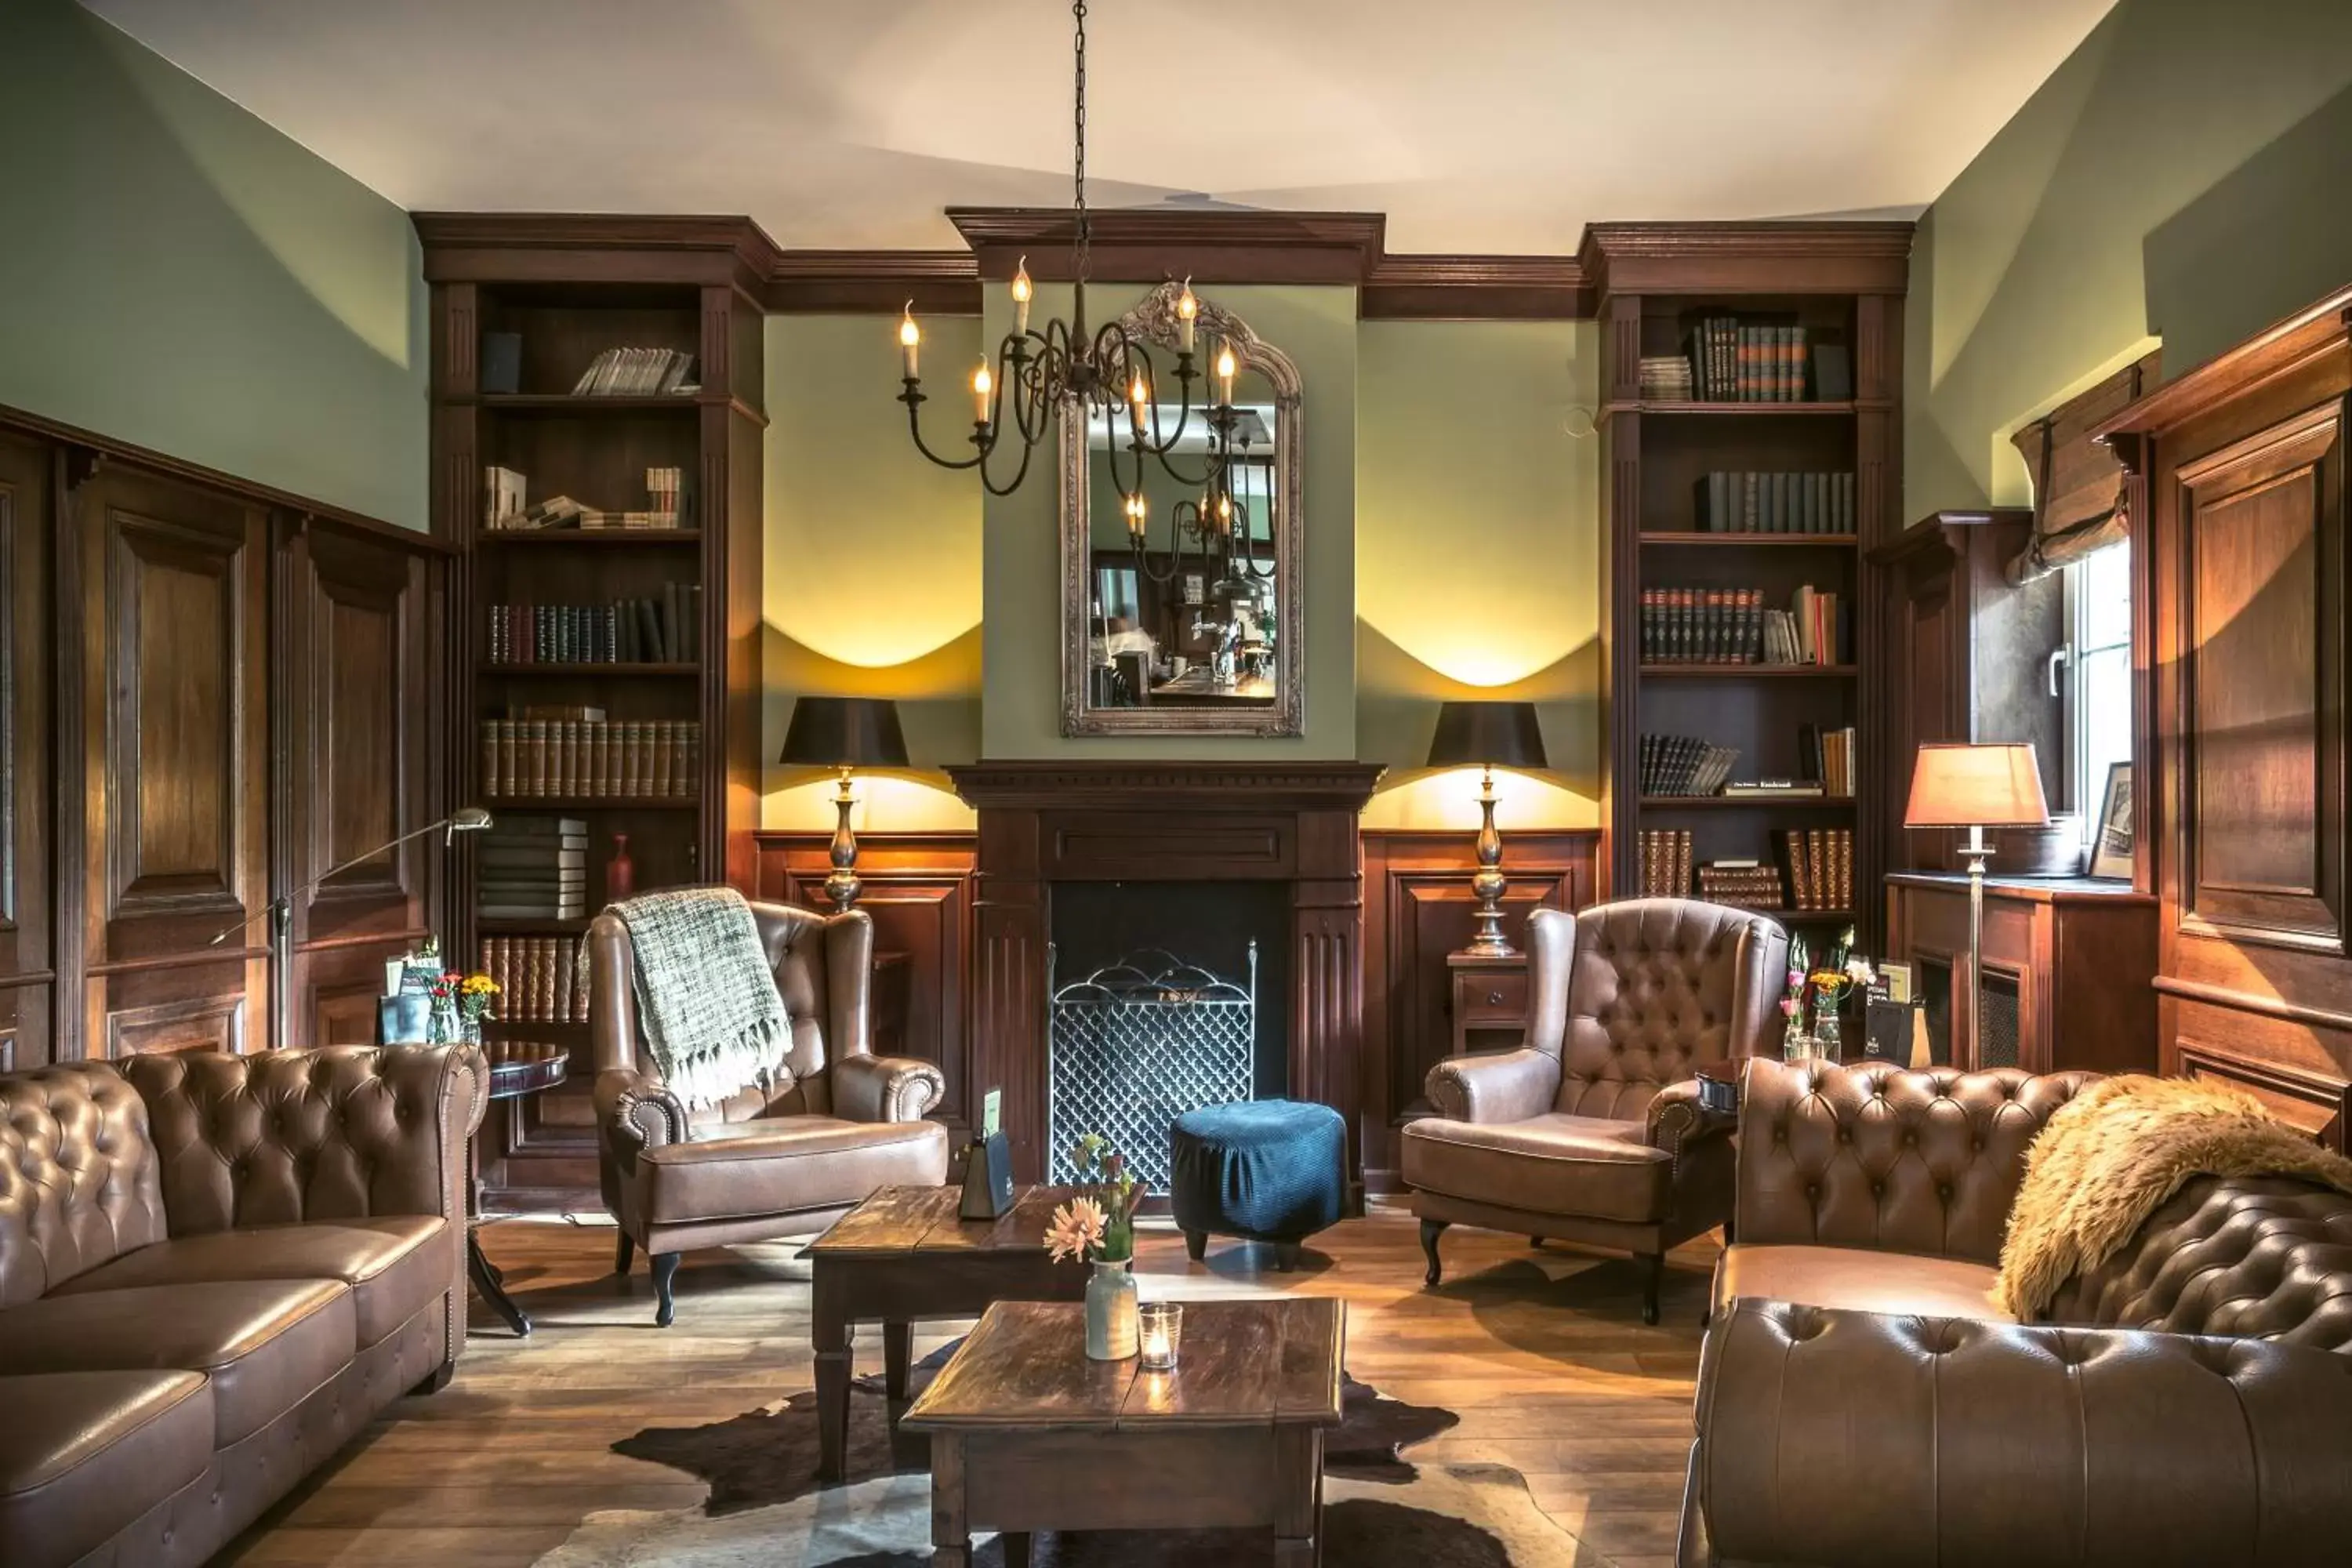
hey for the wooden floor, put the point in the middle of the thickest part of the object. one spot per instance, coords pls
(1543, 1353)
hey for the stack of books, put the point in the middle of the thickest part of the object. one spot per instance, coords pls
(1737, 359)
(1742, 884)
(1812, 630)
(1820, 862)
(503, 497)
(625, 631)
(1745, 502)
(1773, 789)
(1683, 765)
(576, 753)
(636, 372)
(1665, 378)
(1665, 862)
(542, 979)
(533, 867)
(504, 508)
(1828, 755)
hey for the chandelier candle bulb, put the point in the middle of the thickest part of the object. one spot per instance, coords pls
(1226, 370)
(982, 384)
(1187, 310)
(910, 337)
(1022, 291)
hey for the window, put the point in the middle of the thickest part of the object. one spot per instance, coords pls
(2099, 686)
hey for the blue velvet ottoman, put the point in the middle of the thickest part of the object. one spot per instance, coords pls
(1265, 1170)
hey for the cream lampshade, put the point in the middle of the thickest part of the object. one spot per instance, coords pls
(1958, 784)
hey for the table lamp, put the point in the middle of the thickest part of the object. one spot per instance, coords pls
(1488, 735)
(1959, 785)
(845, 733)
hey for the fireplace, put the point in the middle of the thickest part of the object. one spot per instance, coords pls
(1098, 860)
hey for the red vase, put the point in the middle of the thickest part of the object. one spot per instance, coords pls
(620, 871)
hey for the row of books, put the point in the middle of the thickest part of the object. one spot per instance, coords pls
(591, 758)
(1732, 625)
(1742, 884)
(1665, 862)
(1683, 765)
(1820, 863)
(1828, 756)
(625, 631)
(1665, 378)
(1745, 502)
(636, 372)
(507, 507)
(532, 867)
(1744, 359)
(542, 979)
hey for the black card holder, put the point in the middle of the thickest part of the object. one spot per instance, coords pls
(987, 1179)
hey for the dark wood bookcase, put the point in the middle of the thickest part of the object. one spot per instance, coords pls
(572, 288)
(1843, 283)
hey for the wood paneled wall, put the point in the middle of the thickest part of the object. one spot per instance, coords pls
(208, 692)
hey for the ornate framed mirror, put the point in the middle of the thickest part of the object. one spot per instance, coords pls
(1183, 567)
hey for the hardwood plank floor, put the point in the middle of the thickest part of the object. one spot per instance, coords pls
(1541, 1352)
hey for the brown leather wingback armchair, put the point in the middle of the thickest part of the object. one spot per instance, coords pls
(836, 1123)
(2189, 1401)
(1578, 1135)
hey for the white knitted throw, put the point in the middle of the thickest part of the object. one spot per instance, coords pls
(706, 1002)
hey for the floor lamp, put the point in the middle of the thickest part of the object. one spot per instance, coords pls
(279, 911)
(1958, 784)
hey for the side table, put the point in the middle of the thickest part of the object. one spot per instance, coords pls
(1490, 999)
(518, 1068)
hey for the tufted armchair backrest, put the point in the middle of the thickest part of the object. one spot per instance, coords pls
(78, 1177)
(823, 966)
(1635, 996)
(1879, 1156)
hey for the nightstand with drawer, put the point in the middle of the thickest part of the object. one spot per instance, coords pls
(1490, 1001)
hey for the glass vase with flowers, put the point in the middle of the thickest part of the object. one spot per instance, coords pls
(1097, 1226)
(1845, 972)
(460, 1003)
(1796, 1045)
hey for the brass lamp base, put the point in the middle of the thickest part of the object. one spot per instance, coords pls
(1488, 886)
(841, 884)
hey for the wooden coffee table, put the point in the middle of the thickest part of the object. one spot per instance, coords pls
(902, 1256)
(1028, 1435)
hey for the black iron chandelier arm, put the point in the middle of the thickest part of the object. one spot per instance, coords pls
(914, 400)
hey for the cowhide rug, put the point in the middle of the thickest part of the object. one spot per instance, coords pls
(766, 1505)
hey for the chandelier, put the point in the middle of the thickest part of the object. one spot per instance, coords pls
(1107, 372)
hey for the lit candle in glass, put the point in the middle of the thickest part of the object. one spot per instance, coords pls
(1187, 310)
(1022, 291)
(1159, 1327)
(909, 336)
(982, 384)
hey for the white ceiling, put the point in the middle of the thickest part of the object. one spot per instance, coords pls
(1476, 125)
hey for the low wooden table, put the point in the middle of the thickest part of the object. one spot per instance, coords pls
(1028, 1435)
(902, 1255)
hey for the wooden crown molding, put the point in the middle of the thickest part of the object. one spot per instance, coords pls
(2321, 327)
(1043, 784)
(1145, 245)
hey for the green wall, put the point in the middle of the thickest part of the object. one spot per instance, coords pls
(1477, 553)
(177, 274)
(872, 564)
(2181, 176)
(1021, 562)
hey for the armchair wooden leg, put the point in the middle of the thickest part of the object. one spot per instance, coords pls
(1196, 1245)
(1431, 1229)
(665, 1265)
(1654, 1270)
(437, 1379)
(624, 1251)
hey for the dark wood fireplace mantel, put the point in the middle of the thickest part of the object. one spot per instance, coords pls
(1045, 822)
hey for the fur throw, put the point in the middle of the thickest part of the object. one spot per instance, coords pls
(2113, 1154)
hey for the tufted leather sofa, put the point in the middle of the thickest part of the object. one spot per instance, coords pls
(2181, 1405)
(213, 1270)
(1591, 1131)
(834, 1122)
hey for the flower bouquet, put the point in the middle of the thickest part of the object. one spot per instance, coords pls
(1097, 1226)
(460, 1003)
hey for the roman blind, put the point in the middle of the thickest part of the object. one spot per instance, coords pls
(2078, 486)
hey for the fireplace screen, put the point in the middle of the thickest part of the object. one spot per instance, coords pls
(1137, 1044)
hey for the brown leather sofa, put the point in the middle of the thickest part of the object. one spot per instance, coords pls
(1570, 1136)
(1862, 1403)
(213, 1271)
(836, 1123)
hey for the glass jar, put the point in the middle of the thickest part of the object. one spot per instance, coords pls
(1111, 1310)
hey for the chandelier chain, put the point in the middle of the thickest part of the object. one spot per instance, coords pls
(1078, 11)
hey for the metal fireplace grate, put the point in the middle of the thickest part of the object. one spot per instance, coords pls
(1137, 1044)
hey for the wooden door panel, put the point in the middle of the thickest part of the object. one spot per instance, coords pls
(28, 982)
(2262, 688)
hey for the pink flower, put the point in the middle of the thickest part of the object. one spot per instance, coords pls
(1076, 1230)
(1787, 1007)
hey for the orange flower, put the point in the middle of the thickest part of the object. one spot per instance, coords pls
(1077, 1229)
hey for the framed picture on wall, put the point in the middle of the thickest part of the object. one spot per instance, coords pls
(2111, 850)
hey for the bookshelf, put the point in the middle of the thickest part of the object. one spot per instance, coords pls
(1842, 285)
(570, 292)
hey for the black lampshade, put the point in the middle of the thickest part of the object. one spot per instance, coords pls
(1487, 734)
(845, 733)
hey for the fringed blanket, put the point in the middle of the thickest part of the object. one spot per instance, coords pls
(706, 1002)
(2113, 1154)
